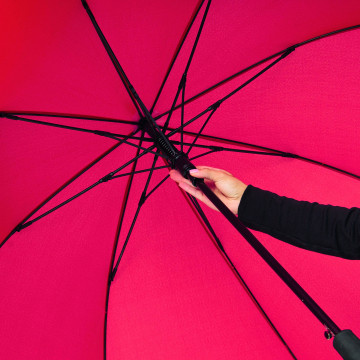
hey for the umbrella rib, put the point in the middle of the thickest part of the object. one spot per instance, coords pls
(104, 179)
(111, 55)
(70, 116)
(95, 132)
(224, 140)
(141, 203)
(184, 76)
(216, 104)
(182, 83)
(139, 171)
(283, 56)
(177, 53)
(182, 117)
(259, 63)
(117, 237)
(200, 132)
(18, 227)
(272, 152)
(235, 270)
(213, 149)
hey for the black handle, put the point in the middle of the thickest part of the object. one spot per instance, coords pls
(347, 344)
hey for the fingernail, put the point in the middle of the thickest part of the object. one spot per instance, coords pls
(192, 171)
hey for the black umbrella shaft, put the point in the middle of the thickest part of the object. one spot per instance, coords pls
(270, 260)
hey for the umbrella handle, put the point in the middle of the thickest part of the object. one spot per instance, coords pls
(347, 344)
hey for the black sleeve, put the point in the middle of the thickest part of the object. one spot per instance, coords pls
(327, 229)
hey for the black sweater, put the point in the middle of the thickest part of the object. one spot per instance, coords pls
(327, 229)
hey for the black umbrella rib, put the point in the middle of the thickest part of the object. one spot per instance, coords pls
(215, 105)
(238, 151)
(271, 152)
(70, 116)
(104, 179)
(224, 140)
(112, 56)
(176, 54)
(259, 63)
(157, 186)
(281, 56)
(144, 112)
(18, 227)
(141, 203)
(140, 171)
(200, 131)
(213, 149)
(325, 165)
(67, 127)
(182, 117)
(117, 237)
(95, 132)
(237, 273)
(182, 83)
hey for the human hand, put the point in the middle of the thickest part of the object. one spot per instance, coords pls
(226, 187)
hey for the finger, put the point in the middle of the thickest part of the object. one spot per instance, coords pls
(191, 190)
(198, 194)
(201, 167)
(176, 176)
(209, 173)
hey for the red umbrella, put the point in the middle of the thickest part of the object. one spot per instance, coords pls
(98, 259)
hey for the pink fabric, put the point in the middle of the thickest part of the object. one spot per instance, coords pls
(174, 296)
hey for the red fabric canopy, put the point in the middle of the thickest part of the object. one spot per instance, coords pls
(174, 296)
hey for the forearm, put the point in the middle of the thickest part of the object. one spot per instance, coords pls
(326, 229)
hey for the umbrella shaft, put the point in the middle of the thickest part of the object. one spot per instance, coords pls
(270, 260)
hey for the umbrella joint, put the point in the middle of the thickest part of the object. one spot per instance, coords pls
(216, 148)
(215, 105)
(142, 124)
(106, 178)
(289, 155)
(142, 199)
(182, 81)
(288, 52)
(22, 226)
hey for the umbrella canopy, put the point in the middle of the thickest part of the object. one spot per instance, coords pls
(68, 121)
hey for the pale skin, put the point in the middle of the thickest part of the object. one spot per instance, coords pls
(228, 188)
